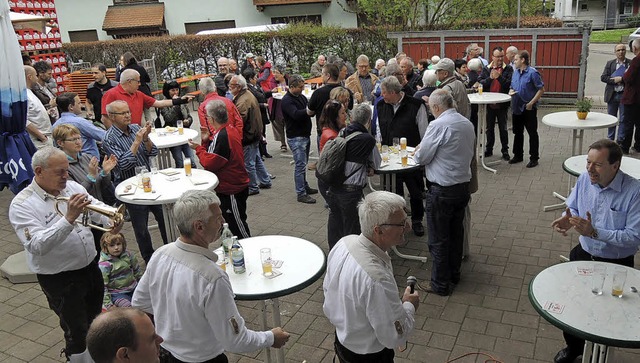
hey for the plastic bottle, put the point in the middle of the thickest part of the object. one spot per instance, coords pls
(225, 241)
(237, 256)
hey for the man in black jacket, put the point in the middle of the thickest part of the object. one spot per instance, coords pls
(496, 77)
(612, 77)
(298, 130)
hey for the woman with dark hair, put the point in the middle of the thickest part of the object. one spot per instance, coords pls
(462, 72)
(333, 119)
(172, 115)
(130, 62)
(257, 92)
(266, 79)
(275, 107)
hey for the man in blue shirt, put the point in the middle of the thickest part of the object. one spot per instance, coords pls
(70, 107)
(526, 89)
(604, 208)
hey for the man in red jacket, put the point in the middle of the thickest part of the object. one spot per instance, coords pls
(631, 101)
(221, 153)
(209, 91)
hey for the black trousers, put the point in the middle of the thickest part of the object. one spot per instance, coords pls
(527, 120)
(76, 298)
(167, 357)
(234, 211)
(501, 115)
(346, 356)
(631, 122)
(575, 344)
(415, 185)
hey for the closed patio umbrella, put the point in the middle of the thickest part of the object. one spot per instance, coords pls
(16, 147)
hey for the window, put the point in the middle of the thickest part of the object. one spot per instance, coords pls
(627, 7)
(83, 35)
(193, 28)
(314, 19)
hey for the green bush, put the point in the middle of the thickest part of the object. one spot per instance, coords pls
(634, 21)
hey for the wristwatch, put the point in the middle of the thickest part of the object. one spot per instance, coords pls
(594, 235)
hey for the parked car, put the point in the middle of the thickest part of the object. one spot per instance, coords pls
(633, 36)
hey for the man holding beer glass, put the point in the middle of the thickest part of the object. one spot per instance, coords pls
(59, 250)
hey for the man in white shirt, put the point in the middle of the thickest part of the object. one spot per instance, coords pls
(360, 292)
(123, 335)
(38, 122)
(60, 251)
(190, 297)
(446, 152)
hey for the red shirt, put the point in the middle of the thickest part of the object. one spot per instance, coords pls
(226, 160)
(327, 134)
(234, 116)
(137, 102)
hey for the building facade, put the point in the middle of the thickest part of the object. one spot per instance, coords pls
(604, 14)
(90, 20)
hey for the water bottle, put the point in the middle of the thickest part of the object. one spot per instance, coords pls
(237, 256)
(226, 241)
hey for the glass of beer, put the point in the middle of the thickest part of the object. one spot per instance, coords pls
(307, 89)
(619, 278)
(403, 143)
(146, 182)
(267, 264)
(385, 153)
(180, 125)
(404, 157)
(279, 89)
(396, 145)
(480, 89)
(221, 262)
(187, 166)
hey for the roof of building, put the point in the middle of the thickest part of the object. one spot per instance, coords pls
(134, 16)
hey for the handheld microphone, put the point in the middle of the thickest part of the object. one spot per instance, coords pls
(411, 282)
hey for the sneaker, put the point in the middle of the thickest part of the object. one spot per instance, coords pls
(506, 157)
(254, 192)
(306, 199)
(310, 190)
(418, 229)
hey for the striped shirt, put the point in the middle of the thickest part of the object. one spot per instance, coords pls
(119, 143)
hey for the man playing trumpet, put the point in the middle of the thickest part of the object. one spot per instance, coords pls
(59, 250)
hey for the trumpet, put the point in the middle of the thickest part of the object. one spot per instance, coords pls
(117, 214)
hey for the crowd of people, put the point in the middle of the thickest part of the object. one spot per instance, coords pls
(425, 102)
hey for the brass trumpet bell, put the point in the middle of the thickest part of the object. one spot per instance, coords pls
(116, 214)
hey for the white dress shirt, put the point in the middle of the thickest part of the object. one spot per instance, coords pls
(37, 115)
(361, 297)
(192, 303)
(52, 244)
(447, 149)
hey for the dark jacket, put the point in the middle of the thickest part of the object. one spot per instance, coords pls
(400, 124)
(261, 96)
(249, 110)
(296, 119)
(504, 80)
(631, 80)
(144, 78)
(609, 69)
(221, 87)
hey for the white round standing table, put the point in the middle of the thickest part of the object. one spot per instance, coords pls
(279, 95)
(484, 99)
(166, 191)
(303, 263)
(576, 165)
(569, 120)
(163, 140)
(562, 295)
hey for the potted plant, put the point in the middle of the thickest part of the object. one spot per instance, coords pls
(583, 107)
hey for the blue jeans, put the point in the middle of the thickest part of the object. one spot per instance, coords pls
(140, 222)
(255, 167)
(177, 151)
(343, 212)
(445, 215)
(300, 149)
(613, 107)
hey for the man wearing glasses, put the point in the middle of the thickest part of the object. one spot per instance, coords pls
(132, 147)
(446, 152)
(360, 292)
(127, 91)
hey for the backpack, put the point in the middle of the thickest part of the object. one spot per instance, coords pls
(330, 167)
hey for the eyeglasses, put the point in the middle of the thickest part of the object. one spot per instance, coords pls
(121, 113)
(403, 225)
(233, 84)
(135, 80)
(75, 139)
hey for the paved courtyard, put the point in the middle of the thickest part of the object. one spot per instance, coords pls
(489, 312)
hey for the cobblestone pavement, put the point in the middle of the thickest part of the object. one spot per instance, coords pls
(489, 312)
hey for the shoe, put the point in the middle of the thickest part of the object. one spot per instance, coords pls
(283, 148)
(625, 151)
(565, 356)
(271, 176)
(254, 192)
(506, 157)
(431, 290)
(312, 166)
(418, 229)
(310, 190)
(267, 155)
(127, 216)
(306, 199)
(488, 153)
(515, 160)
(532, 164)
(264, 186)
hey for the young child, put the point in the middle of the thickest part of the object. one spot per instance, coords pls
(120, 271)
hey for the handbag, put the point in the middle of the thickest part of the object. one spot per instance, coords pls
(157, 123)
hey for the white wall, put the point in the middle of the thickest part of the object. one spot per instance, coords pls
(89, 14)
